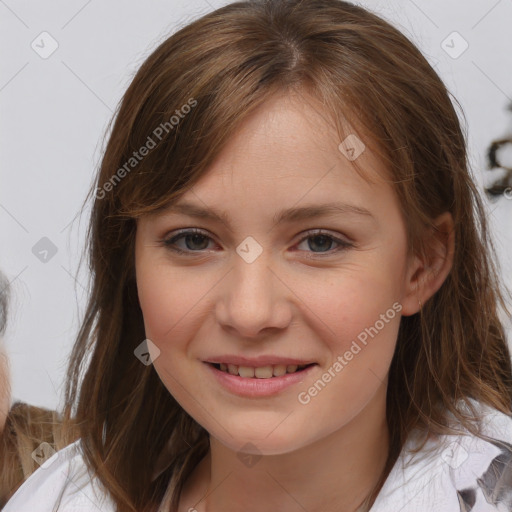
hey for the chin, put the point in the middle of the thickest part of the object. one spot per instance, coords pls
(258, 443)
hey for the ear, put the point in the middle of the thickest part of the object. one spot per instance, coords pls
(427, 272)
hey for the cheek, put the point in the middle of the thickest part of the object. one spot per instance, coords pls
(163, 299)
(170, 301)
(348, 305)
(360, 318)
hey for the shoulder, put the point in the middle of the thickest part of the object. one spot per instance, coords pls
(61, 483)
(459, 472)
(481, 470)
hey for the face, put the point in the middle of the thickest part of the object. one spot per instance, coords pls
(276, 282)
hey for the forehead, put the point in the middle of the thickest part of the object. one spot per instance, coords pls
(291, 146)
(288, 162)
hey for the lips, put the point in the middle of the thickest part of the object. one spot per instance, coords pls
(254, 387)
(257, 362)
(259, 372)
(261, 367)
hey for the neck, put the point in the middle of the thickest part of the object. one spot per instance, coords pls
(336, 473)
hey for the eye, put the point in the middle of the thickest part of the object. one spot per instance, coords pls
(194, 240)
(324, 241)
(197, 241)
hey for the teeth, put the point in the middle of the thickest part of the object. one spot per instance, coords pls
(265, 372)
(262, 372)
(245, 371)
(279, 370)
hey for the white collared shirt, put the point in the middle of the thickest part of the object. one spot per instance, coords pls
(457, 473)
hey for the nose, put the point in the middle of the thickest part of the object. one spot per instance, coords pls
(253, 299)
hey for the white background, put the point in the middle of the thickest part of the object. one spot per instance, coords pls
(54, 113)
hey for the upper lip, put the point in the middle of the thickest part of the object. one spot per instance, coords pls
(265, 360)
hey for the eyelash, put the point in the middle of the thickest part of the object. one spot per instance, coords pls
(170, 242)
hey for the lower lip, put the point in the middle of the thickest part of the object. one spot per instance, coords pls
(254, 387)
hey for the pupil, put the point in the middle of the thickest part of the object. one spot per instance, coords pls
(196, 238)
(323, 238)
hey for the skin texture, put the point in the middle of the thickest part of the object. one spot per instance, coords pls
(300, 298)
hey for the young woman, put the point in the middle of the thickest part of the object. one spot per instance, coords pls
(295, 304)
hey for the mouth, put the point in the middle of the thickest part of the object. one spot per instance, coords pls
(260, 372)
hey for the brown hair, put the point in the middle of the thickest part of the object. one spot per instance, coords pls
(26, 428)
(229, 62)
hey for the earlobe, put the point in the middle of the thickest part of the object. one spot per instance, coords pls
(427, 273)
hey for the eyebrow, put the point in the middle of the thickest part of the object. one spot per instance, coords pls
(285, 216)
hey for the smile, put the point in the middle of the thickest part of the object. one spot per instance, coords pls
(260, 381)
(261, 372)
